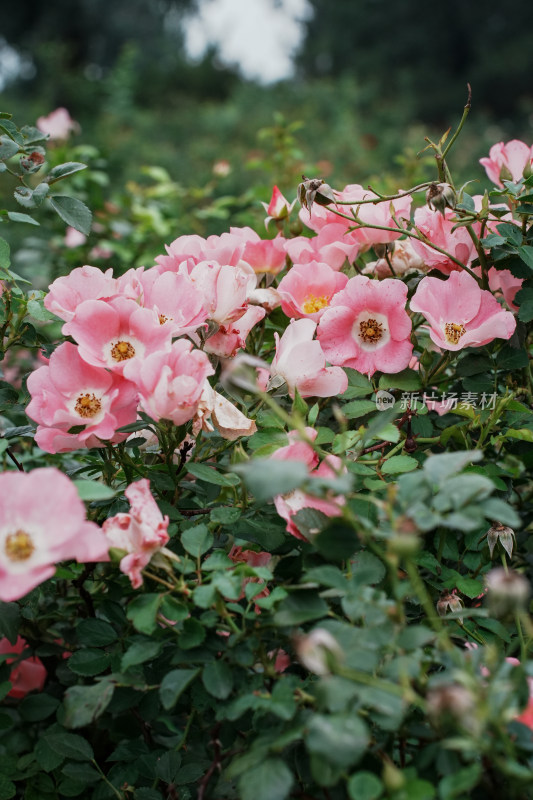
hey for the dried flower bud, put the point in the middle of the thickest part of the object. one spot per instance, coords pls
(319, 651)
(450, 703)
(502, 534)
(507, 591)
(441, 196)
(314, 190)
(32, 162)
(449, 602)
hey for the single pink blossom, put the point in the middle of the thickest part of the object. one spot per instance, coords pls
(333, 245)
(301, 363)
(65, 294)
(69, 393)
(460, 314)
(42, 522)
(504, 281)
(141, 532)
(170, 383)
(27, 674)
(58, 124)
(232, 337)
(507, 161)
(263, 255)
(438, 228)
(74, 238)
(306, 290)
(224, 249)
(366, 326)
(225, 289)
(278, 208)
(117, 334)
(177, 300)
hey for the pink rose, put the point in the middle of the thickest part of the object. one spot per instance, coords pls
(507, 161)
(170, 384)
(58, 124)
(263, 255)
(438, 228)
(232, 337)
(141, 533)
(225, 249)
(334, 244)
(65, 294)
(307, 289)
(28, 674)
(279, 208)
(68, 393)
(367, 327)
(301, 363)
(42, 522)
(460, 314)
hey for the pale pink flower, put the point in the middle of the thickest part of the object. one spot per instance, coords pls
(287, 505)
(379, 214)
(74, 238)
(58, 124)
(225, 289)
(403, 258)
(177, 300)
(507, 161)
(141, 532)
(232, 337)
(460, 314)
(268, 299)
(27, 674)
(366, 326)
(279, 207)
(117, 334)
(68, 393)
(438, 228)
(301, 363)
(170, 383)
(224, 249)
(42, 522)
(306, 290)
(65, 294)
(504, 281)
(221, 168)
(333, 245)
(263, 255)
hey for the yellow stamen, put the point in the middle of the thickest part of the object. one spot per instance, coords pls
(453, 332)
(313, 304)
(87, 405)
(19, 546)
(121, 351)
(371, 331)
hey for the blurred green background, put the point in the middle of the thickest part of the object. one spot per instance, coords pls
(371, 79)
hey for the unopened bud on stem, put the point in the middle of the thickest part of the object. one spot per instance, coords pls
(441, 196)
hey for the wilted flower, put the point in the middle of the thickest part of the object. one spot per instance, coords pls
(508, 591)
(504, 535)
(448, 603)
(314, 190)
(319, 651)
(441, 196)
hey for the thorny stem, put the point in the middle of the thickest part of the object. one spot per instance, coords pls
(382, 198)
(466, 111)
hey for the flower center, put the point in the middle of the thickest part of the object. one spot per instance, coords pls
(313, 304)
(371, 331)
(19, 546)
(87, 405)
(453, 332)
(163, 319)
(121, 351)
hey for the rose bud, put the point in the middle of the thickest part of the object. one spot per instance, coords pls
(441, 196)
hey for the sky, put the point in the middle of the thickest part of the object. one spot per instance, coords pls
(259, 35)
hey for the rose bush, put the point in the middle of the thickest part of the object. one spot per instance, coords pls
(265, 502)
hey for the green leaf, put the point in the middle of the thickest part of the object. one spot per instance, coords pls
(142, 612)
(269, 780)
(8, 148)
(84, 704)
(210, 475)
(193, 634)
(46, 755)
(7, 788)
(173, 609)
(36, 707)
(62, 170)
(95, 633)
(337, 541)
(512, 233)
(458, 784)
(440, 467)
(217, 678)
(397, 464)
(340, 739)
(70, 745)
(9, 621)
(367, 569)
(197, 540)
(266, 478)
(73, 212)
(139, 652)
(93, 490)
(358, 385)
(173, 684)
(5, 259)
(88, 662)
(408, 381)
(223, 515)
(17, 216)
(358, 408)
(526, 254)
(300, 606)
(364, 786)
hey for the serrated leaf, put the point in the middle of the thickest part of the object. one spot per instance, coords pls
(17, 216)
(73, 212)
(397, 464)
(197, 540)
(217, 678)
(92, 490)
(173, 684)
(8, 148)
(62, 170)
(269, 780)
(210, 475)
(84, 704)
(142, 612)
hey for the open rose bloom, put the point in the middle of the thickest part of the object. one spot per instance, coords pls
(42, 522)
(460, 314)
